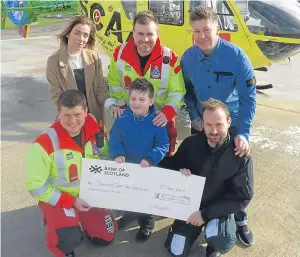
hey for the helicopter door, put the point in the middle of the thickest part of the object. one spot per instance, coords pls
(230, 25)
(170, 15)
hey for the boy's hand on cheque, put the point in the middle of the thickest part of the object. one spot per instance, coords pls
(120, 159)
(145, 164)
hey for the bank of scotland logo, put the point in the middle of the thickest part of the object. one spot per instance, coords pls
(95, 169)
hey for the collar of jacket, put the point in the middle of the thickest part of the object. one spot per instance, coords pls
(64, 58)
(130, 55)
(150, 115)
(89, 129)
(201, 56)
(221, 145)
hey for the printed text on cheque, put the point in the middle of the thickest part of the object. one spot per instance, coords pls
(129, 187)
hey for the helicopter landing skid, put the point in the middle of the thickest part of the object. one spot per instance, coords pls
(263, 86)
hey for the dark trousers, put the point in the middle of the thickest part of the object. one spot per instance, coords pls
(145, 220)
(240, 217)
(220, 235)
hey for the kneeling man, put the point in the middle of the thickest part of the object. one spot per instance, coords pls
(53, 177)
(228, 187)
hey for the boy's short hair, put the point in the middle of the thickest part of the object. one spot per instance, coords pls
(142, 85)
(70, 99)
(213, 104)
(203, 13)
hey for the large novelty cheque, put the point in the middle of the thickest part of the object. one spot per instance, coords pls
(129, 187)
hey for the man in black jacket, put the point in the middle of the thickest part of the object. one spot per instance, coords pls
(228, 187)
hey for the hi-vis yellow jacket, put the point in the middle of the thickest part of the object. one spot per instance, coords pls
(54, 163)
(163, 70)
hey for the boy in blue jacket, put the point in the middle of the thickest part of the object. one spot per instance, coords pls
(135, 139)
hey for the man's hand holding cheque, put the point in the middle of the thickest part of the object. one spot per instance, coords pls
(195, 219)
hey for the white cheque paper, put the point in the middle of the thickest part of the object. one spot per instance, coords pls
(128, 187)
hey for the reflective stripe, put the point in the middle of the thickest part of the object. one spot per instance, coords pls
(161, 92)
(178, 244)
(39, 191)
(59, 158)
(62, 182)
(120, 102)
(115, 89)
(120, 63)
(174, 105)
(177, 96)
(212, 228)
(55, 197)
(165, 72)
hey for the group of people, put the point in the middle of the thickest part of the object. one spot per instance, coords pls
(147, 85)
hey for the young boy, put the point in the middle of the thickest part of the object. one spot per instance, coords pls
(135, 139)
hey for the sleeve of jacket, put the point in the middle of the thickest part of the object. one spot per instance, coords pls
(176, 89)
(238, 196)
(54, 86)
(190, 98)
(102, 89)
(115, 144)
(37, 172)
(160, 148)
(246, 87)
(117, 93)
(178, 160)
(106, 149)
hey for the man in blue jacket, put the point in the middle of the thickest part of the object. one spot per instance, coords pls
(134, 138)
(215, 68)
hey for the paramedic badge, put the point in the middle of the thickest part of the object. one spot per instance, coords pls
(97, 150)
(155, 73)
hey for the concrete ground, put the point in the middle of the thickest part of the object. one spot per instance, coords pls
(27, 111)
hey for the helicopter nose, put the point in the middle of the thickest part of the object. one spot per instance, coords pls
(276, 51)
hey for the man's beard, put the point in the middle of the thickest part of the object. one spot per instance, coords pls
(216, 138)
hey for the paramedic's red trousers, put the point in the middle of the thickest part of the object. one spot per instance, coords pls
(65, 227)
(172, 134)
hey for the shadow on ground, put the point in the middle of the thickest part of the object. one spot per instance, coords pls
(23, 234)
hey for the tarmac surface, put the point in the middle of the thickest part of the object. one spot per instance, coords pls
(27, 110)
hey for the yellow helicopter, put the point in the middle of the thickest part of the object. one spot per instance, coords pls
(268, 30)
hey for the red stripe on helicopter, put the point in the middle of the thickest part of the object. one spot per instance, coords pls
(225, 36)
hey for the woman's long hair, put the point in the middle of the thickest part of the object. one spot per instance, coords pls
(63, 39)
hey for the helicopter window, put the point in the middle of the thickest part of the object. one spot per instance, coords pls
(269, 18)
(225, 15)
(129, 8)
(168, 12)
